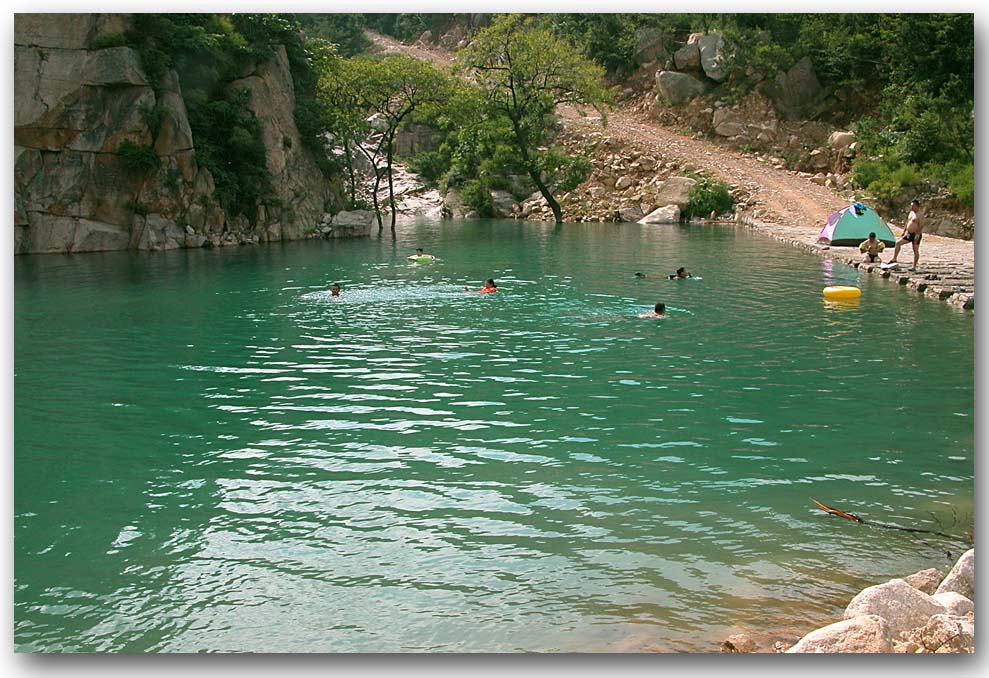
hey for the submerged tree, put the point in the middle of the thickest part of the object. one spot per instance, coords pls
(525, 72)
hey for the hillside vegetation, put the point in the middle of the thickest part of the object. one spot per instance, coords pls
(904, 83)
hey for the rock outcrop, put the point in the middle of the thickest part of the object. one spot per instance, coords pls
(103, 160)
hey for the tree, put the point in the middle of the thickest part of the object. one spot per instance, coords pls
(408, 85)
(525, 72)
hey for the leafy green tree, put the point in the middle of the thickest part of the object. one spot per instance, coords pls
(373, 99)
(524, 72)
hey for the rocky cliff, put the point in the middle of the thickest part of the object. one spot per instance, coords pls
(85, 123)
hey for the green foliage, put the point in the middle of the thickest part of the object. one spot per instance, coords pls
(152, 116)
(962, 184)
(138, 159)
(886, 178)
(709, 195)
(430, 165)
(608, 39)
(229, 144)
(210, 51)
(108, 40)
(477, 196)
(408, 26)
(344, 31)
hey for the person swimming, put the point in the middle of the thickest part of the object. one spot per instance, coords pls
(681, 273)
(419, 255)
(658, 311)
(489, 287)
(334, 290)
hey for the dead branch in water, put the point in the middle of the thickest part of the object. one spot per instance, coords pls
(855, 518)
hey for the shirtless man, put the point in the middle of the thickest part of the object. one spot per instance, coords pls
(913, 233)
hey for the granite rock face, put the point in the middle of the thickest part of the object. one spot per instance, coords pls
(81, 113)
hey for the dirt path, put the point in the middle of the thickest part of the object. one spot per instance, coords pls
(781, 203)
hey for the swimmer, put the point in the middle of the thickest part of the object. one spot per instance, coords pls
(681, 273)
(334, 290)
(658, 311)
(419, 255)
(640, 274)
(489, 287)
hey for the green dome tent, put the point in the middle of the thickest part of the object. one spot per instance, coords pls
(851, 225)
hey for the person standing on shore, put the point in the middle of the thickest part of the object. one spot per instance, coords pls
(911, 234)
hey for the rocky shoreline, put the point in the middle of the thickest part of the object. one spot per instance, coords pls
(928, 612)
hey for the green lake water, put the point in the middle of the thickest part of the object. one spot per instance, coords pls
(211, 454)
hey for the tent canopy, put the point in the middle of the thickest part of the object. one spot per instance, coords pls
(851, 225)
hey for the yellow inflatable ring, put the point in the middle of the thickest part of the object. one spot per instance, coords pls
(842, 292)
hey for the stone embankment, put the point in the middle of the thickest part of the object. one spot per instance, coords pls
(946, 270)
(926, 612)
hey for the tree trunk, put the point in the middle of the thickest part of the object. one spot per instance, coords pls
(522, 143)
(374, 196)
(547, 194)
(350, 172)
(391, 183)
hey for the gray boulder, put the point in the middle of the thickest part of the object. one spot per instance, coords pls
(504, 203)
(863, 634)
(675, 191)
(798, 87)
(687, 57)
(668, 214)
(631, 213)
(961, 578)
(679, 88)
(712, 53)
(901, 605)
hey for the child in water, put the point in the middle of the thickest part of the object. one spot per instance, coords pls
(489, 286)
(658, 311)
(334, 290)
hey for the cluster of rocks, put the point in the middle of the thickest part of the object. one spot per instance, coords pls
(926, 612)
(625, 184)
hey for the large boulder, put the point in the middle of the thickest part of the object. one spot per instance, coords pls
(961, 578)
(678, 88)
(798, 87)
(711, 54)
(675, 191)
(926, 580)
(504, 203)
(688, 57)
(862, 634)
(903, 606)
(668, 214)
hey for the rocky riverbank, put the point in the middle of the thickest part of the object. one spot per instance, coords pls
(925, 613)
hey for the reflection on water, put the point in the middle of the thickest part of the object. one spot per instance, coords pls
(224, 457)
